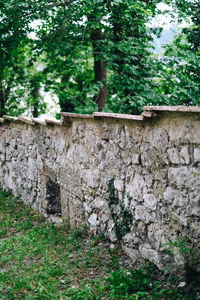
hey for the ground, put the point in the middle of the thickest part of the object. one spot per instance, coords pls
(40, 260)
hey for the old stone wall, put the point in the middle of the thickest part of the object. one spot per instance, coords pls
(135, 178)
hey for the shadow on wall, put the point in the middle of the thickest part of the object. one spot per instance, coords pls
(53, 198)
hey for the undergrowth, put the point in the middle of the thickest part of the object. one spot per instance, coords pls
(39, 260)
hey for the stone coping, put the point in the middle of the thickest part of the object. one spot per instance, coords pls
(180, 108)
(148, 112)
(10, 118)
(117, 116)
(26, 120)
(52, 122)
(74, 115)
(39, 121)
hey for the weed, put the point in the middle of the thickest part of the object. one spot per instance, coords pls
(75, 237)
(181, 245)
(42, 261)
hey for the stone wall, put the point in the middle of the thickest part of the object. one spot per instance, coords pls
(135, 178)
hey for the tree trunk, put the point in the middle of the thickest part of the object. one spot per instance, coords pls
(35, 110)
(2, 99)
(100, 73)
(64, 101)
(35, 93)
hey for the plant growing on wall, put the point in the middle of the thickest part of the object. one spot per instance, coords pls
(123, 219)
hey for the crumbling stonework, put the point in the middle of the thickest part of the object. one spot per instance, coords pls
(136, 178)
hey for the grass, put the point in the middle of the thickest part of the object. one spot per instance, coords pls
(39, 260)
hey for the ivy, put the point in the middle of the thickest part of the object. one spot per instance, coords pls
(123, 220)
(112, 198)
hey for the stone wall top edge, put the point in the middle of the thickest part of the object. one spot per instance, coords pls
(74, 115)
(39, 121)
(149, 112)
(10, 118)
(180, 108)
(52, 122)
(117, 116)
(100, 115)
(26, 120)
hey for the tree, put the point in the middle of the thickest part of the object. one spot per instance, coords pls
(180, 75)
(133, 73)
(12, 35)
(96, 55)
(99, 50)
(15, 58)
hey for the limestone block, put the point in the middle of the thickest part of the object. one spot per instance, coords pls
(107, 131)
(42, 150)
(184, 177)
(104, 218)
(71, 181)
(93, 221)
(179, 156)
(153, 159)
(148, 253)
(142, 213)
(150, 201)
(196, 155)
(135, 187)
(60, 145)
(87, 208)
(126, 156)
(8, 181)
(132, 253)
(76, 211)
(91, 142)
(80, 154)
(158, 138)
(156, 235)
(176, 197)
(91, 177)
(135, 159)
(119, 184)
(32, 169)
(180, 217)
(110, 231)
(64, 195)
(99, 203)
(133, 204)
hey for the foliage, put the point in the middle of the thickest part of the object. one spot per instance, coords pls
(180, 77)
(82, 34)
(16, 58)
(180, 71)
(95, 55)
(40, 260)
(181, 245)
(132, 80)
(122, 219)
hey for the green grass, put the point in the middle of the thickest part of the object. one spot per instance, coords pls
(39, 260)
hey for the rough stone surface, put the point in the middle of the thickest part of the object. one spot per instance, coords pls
(109, 172)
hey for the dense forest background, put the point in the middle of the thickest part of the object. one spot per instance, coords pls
(96, 55)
